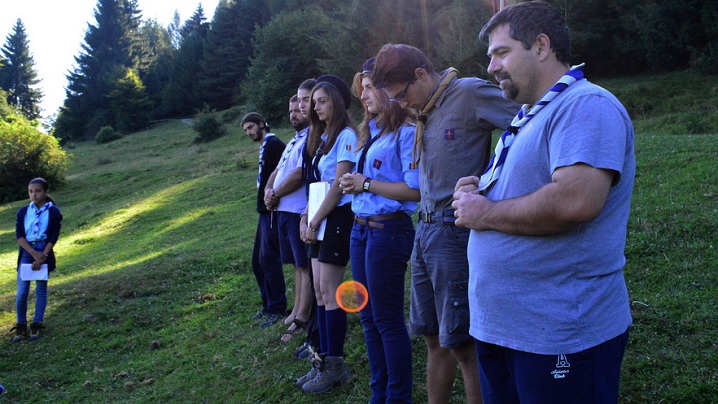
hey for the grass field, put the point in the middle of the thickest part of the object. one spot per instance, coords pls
(151, 299)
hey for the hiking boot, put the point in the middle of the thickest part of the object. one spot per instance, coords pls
(270, 320)
(309, 376)
(258, 315)
(20, 332)
(35, 331)
(335, 372)
(300, 349)
(302, 352)
(317, 361)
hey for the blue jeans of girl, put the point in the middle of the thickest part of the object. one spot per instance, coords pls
(23, 291)
(379, 261)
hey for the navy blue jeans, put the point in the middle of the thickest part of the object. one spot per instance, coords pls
(23, 291)
(590, 376)
(379, 261)
(267, 265)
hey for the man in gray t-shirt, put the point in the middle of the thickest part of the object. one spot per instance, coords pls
(550, 313)
(456, 118)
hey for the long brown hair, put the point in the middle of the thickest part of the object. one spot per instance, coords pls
(339, 120)
(390, 118)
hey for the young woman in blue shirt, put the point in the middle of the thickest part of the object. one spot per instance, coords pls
(385, 189)
(330, 146)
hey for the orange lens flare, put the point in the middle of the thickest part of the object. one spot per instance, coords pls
(352, 296)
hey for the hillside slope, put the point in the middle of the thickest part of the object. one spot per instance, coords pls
(154, 286)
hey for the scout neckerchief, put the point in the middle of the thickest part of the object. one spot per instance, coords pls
(423, 115)
(290, 146)
(507, 138)
(261, 156)
(315, 163)
(38, 212)
(362, 158)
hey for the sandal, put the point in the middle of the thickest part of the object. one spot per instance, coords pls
(296, 327)
(290, 318)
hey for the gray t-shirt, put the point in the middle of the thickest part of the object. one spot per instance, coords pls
(562, 293)
(457, 137)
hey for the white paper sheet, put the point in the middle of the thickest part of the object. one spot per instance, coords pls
(27, 274)
(317, 192)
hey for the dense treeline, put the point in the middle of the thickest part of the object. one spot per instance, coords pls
(254, 53)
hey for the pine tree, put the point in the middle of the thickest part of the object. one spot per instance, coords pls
(196, 24)
(228, 50)
(111, 46)
(18, 75)
(181, 96)
(159, 55)
(173, 29)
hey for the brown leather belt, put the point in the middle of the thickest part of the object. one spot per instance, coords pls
(375, 221)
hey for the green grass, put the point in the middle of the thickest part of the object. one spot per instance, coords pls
(151, 299)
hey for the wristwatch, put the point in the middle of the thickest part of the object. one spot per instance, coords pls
(366, 184)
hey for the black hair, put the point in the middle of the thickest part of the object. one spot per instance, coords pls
(529, 20)
(45, 186)
(308, 84)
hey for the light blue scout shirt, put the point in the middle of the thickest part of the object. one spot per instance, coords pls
(562, 293)
(387, 160)
(343, 150)
(30, 216)
(292, 158)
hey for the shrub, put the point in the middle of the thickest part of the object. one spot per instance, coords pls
(26, 153)
(107, 134)
(207, 126)
(233, 114)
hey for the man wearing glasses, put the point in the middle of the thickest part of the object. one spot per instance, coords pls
(453, 140)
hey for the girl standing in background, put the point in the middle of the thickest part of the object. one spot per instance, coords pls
(37, 228)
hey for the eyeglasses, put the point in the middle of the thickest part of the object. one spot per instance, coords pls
(400, 97)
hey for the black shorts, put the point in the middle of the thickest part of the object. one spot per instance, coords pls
(334, 249)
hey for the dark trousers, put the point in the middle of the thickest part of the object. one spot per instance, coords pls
(267, 265)
(590, 376)
(312, 324)
(379, 260)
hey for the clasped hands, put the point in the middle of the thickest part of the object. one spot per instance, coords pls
(40, 258)
(352, 183)
(271, 200)
(469, 206)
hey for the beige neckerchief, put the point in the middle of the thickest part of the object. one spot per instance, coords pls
(451, 74)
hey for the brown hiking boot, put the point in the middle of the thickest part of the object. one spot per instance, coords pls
(20, 332)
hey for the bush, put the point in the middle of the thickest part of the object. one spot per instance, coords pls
(208, 127)
(107, 134)
(233, 114)
(26, 153)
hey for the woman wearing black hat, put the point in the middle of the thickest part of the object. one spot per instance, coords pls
(385, 190)
(330, 144)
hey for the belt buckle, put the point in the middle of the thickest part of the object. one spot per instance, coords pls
(428, 217)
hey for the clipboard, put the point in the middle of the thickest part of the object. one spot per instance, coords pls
(27, 274)
(317, 192)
